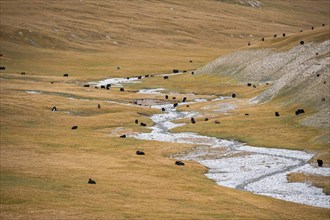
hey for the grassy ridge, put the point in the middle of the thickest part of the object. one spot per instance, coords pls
(91, 38)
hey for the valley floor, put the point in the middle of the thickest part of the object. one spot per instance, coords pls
(45, 165)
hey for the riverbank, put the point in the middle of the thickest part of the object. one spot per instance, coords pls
(259, 170)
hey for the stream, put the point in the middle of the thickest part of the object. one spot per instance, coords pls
(233, 164)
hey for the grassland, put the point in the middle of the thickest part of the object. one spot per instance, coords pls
(45, 165)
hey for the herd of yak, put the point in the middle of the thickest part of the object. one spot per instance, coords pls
(179, 163)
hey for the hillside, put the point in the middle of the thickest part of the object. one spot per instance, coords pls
(299, 74)
(94, 37)
(47, 157)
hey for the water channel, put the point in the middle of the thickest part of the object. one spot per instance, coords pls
(233, 164)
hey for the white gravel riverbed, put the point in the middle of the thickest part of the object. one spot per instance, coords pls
(232, 164)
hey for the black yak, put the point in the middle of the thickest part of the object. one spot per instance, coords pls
(179, 163)
(140, 153)
(90, 181)
(320, 162)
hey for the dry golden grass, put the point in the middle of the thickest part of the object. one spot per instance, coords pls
(260, 127)
(45, 165)
(201, 84)
(88, 38)
(318, 181)
(280, 43)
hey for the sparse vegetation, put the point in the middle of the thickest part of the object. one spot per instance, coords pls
(45, 165)
(318, 181)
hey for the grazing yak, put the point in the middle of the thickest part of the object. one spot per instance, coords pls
(233, 95)
(277, 114)
(320, 162)
(184, 99)
(166, 97)
(206, 119)
(249, 84)
(300, 111)
(302, 42)
(217, 122)
(175, 105)
(136, 121)
(65, 75)
(175, 71)
(2, 68)
(123, 136)
(122, 89)
(179, 163)
(193, 120)
(263, 39)
(140, 153)
(86, 85)
(90, 181)
(165, 77)
(98, 106)
(74, 127)
(192, 73)
(143, 124)
(163, 109)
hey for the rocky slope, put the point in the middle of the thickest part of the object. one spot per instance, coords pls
(300, 74)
